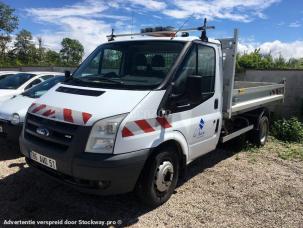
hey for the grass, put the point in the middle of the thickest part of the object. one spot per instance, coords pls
(292, 151)
(284, 150)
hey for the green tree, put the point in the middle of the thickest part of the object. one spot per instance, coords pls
(24, 49)
(72, 51)
(280, 63)
(250, 61)
(267, 61)
(8, 23)
(52, 58)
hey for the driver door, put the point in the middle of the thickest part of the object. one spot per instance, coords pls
(198, 121)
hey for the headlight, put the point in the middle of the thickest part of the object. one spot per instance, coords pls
(15, 119)
(103, 134)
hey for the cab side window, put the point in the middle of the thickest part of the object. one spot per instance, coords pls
(206, 69)
(200, 61)
(188, 68)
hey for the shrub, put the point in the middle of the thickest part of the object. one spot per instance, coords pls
(290, 130)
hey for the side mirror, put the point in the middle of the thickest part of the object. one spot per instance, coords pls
(67, 74)
(194, 88)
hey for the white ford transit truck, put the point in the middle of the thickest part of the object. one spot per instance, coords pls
(141, 108)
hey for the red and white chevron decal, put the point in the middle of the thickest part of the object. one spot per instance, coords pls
(145, 126)
(65, 114)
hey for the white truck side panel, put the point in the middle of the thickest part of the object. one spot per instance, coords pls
(147, 110)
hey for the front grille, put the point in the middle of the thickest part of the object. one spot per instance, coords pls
(60, 135)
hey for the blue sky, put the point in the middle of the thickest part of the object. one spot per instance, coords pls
(275, 26)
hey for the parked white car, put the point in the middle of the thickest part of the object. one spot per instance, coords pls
(13, 111)
(15, 84)
(8, 72)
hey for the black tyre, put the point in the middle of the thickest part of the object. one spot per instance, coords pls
(159, 178)
(260, 135)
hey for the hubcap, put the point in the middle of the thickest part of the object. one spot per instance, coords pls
(263, 133)
(164, 176)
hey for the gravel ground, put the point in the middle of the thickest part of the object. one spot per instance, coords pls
(230, 188)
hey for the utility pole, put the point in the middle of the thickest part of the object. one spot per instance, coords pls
(40, 48)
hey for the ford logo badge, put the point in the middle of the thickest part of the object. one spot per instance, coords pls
(42, 131)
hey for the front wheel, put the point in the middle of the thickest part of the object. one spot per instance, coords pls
(159, 178)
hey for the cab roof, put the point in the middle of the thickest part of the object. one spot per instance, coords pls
(165, 38)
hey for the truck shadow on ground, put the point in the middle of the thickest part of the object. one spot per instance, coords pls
(28, 194)
(9, 150)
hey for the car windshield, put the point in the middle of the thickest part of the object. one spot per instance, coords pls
(14, 81)
(43, 87)
(129, 65)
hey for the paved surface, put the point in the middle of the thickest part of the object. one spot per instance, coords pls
(235, 189)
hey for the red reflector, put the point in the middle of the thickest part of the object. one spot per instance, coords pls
(163, 122)
(126, 132)
(49, 112)
(39, 108)
(145, 126)
(86, 116)
(67, 113)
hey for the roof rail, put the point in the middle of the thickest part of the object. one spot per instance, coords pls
(171, 33)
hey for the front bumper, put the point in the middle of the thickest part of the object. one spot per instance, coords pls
(10, 131)
(105, 174)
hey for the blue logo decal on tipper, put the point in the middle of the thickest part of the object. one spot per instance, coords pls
(199, 130)
(201, 124)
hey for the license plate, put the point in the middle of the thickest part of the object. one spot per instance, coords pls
(51, 163)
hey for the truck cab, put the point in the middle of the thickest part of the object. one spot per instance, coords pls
(137, 111)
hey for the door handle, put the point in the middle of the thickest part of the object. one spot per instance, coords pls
(183, 106)
(216, 104)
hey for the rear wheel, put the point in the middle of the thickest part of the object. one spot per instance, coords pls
(260, 135)
(159, 178)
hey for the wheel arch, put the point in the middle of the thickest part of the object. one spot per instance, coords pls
(256, 115)
(178, 143)
(262, 112)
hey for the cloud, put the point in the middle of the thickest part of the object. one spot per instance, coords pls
(90, 21)
(91, 33)
(149, 4)
(85, 9)
(244, 11)
(276, 48)
(83, 21)
(295, 24)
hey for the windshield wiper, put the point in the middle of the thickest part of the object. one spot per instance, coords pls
(98, 78)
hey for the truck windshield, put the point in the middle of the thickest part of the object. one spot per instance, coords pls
(129, 65)
(14, 81)
(43, 87)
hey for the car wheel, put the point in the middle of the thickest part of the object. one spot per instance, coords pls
(159, 178)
